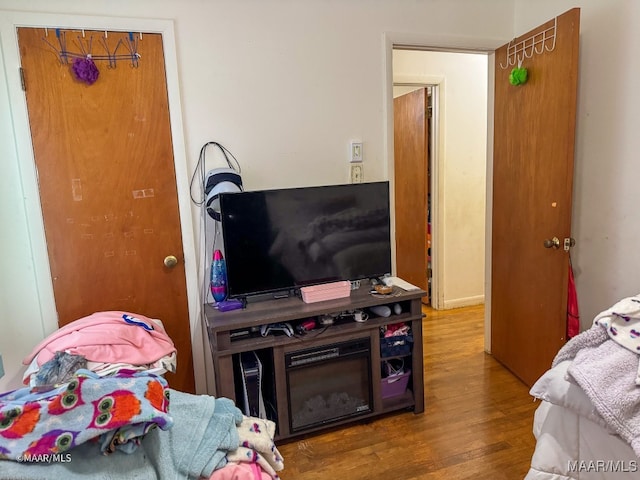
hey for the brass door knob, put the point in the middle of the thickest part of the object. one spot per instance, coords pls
(552, 243)
(170, 261)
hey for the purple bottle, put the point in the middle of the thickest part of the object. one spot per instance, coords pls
(218, 277)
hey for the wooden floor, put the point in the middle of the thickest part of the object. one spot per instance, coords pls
(476, 425)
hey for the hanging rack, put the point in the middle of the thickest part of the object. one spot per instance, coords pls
(535, 44)
(83, 48)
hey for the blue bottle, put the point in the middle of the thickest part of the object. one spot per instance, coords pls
(218, 277)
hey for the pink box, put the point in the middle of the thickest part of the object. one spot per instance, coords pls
(395, 385)
(326, 291)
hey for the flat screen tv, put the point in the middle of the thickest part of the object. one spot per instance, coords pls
(276, 241)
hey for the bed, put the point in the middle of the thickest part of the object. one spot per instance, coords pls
(587, 425)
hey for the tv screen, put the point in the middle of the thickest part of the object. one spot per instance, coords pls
(280, 240)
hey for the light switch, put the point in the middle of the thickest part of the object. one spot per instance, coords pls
(356, 151)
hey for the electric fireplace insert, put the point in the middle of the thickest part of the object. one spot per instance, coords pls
(328, 383)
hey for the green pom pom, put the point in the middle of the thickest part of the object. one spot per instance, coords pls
(518, 76)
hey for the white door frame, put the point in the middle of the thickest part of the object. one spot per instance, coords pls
(10, 56)
(446, 43)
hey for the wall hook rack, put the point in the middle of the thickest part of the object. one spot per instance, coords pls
(83, 47)
(535, 44)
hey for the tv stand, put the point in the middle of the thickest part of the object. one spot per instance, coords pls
(233, 333)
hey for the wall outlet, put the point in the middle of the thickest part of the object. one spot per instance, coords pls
(356, 173)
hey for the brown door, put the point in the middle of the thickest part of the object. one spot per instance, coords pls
(532, 191)
(411, 166)
(107, 183)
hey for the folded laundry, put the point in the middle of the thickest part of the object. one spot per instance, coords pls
(622, 323)
(89, 406)
(60, 369)
(203, 432)
(33, 375)
(107, 337)
(159, 367)
(256, 445)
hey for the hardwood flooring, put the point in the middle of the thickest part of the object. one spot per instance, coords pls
(476, 425)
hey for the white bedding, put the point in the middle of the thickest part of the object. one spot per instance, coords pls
(573, 440)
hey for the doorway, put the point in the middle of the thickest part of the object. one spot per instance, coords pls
(456, 83)
(556, 66)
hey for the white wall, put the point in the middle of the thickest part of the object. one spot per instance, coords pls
(606, 218)
(283, 84)
(20, 326)
(461, 169)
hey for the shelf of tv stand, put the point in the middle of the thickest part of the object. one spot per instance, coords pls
(220, 324)
(292, 309)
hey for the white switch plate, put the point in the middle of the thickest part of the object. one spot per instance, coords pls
(356, 151)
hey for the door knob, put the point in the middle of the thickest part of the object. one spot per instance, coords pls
(170, 261)
(552, 242)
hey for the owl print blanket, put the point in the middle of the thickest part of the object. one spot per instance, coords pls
(115, 411)
(204, 432)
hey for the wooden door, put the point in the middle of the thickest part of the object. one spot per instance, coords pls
(104, 157)
(532, 192)
(411, 165)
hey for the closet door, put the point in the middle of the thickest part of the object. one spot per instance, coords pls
(104, 157)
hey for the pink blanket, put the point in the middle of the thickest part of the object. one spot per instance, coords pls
(107, 337)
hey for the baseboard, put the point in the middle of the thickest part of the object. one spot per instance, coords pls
(463, 302)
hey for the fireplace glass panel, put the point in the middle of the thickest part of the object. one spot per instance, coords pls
(332, 384)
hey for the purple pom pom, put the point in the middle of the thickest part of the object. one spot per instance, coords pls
(85, 70)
